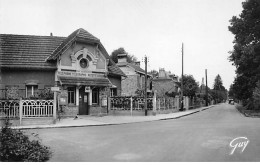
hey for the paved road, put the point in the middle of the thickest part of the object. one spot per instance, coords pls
(204, 136)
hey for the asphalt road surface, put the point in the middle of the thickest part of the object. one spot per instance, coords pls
(203, 136)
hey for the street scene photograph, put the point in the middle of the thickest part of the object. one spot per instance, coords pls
(129, 81)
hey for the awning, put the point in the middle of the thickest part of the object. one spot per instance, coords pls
(85, 81)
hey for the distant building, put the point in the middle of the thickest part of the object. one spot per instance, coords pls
(135, 79)
(165, 82)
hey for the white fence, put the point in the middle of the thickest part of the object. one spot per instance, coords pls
(9, 108)
(37, 108)
(26, 108)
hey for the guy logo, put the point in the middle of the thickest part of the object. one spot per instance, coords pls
(239, 142)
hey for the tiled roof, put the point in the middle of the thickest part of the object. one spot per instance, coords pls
(79, 34)
(27, 51)
(113, 69)
(85, 81)
(135, 67)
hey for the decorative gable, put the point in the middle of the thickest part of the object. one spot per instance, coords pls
(83, 57)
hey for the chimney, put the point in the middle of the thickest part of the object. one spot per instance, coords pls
(137, 63)
(51, 35)
(122, 58)
(162, 73)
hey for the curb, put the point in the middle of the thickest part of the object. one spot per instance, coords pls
(203, 109)
(105, 124)
(243, 113)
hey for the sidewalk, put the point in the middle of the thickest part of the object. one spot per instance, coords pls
(111, 120)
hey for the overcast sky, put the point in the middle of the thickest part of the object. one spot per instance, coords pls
(155, 28)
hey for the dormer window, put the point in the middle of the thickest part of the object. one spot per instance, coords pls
(83, 63)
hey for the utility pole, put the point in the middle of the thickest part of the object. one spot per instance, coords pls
(206, 88)
(145, 86)
(182, 78)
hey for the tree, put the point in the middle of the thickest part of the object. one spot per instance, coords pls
(256, 96)
(218, 84)
(121, 50)
(219, 92)
(231, 91)
(246, 51)
(154, 73)
(190, 86)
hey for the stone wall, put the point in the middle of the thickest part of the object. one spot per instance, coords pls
(129, 85)
(163, 86)
(95, 110)
(70, 111)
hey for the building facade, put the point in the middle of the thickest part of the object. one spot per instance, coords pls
(165, 83)
(135, 79)
(78, 65)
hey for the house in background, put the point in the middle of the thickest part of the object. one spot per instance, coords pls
(164, 83)
(135, 79)
(78, 64)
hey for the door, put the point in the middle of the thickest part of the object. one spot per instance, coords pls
(83, 102)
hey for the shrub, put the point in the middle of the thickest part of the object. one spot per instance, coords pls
(46, 94)
(17, 147)
(256, 96)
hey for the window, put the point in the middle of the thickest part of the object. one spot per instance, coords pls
(83, 63)
(31, 90)
(71, 95)
(95, 96)
(113, 92)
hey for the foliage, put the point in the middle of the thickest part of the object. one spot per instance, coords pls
(141, 92)
(246, 51)
(218, 84)
(46, 94)
(231, 92)
(219, 92)
(17, 147)
(12, 93)
(130, 58)
(190, 86)
(154, 73)
(256, 96)
(171, 94)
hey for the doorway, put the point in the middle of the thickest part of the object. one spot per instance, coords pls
(83, 102)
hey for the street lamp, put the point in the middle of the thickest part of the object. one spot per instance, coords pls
(145, 86)
(182, 78)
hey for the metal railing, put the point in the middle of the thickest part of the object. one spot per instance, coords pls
(37, 108)
(26, 108)
(9, 108)
(130, 103)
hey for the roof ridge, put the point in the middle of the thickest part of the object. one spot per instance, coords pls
(32, 35)
(78, 31)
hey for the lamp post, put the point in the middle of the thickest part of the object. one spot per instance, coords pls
(206, 87)
(182, 78)
(145, 84)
